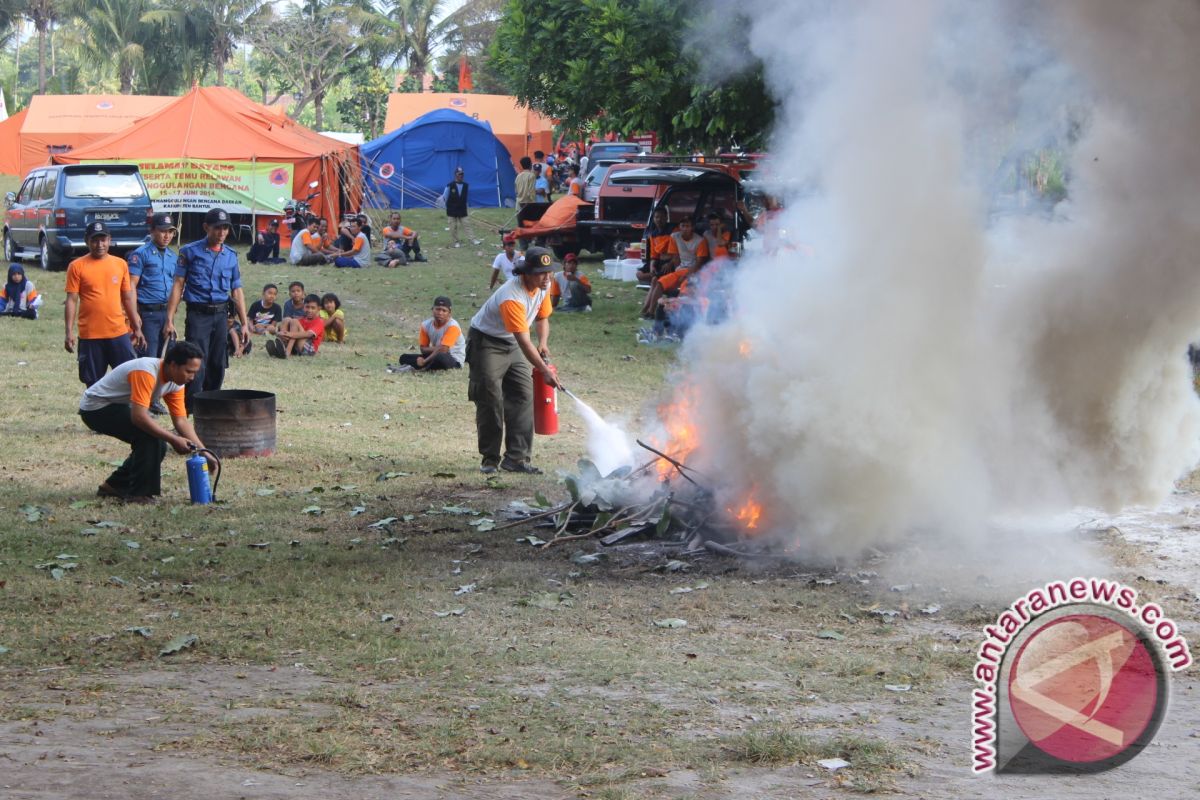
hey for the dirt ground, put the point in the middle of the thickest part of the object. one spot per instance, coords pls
(122, 734)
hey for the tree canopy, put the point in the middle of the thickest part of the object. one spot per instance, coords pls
(633, 65)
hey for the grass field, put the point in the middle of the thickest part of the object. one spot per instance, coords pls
(543, 667)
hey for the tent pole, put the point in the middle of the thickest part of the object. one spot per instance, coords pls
(253, 196)
(499, 198)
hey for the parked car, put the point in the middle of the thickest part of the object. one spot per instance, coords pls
(47, 216)
(631, 191)
(595, 177)
(601, 150)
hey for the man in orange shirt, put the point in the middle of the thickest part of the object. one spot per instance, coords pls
(118, 405)
(101, 298)
(500, 352)
(570, 291)
(689, 252)
(400, 243)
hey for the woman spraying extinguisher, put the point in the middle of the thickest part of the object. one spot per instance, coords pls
(502, 356)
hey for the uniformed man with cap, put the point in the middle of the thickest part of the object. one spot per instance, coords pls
(152, 272)
(500, 351)
(208, 279)
(101, 299)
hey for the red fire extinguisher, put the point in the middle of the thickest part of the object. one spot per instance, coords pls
(545, 403)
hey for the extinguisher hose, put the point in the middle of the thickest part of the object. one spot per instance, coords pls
(217, 458)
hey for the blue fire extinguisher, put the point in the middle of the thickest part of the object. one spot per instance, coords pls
(197, 472)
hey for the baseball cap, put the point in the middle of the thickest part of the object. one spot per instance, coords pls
(162, 222)
(537, 260)
(570, 257)
(94, 229)
(216, 216)
(510, 238)
(441, 300)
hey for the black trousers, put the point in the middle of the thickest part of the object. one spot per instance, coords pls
(97, 355)
(209, 332)
(153, 323)
(440, 361)
(269, 249)
(141, 474)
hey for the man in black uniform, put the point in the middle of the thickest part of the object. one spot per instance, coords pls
(455, 197)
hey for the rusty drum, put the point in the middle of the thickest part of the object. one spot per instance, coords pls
(235, 422)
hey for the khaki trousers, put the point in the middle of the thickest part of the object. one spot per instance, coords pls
(501, 386)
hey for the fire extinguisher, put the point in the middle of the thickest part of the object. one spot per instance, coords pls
(197, 473)
(545, 403)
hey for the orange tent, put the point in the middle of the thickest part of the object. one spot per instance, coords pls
(520, 129)
(559, 216)
(60, 123)
(10, 143)
(216, 123)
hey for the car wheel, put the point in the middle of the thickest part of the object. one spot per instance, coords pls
(44, 257)
(10, 249)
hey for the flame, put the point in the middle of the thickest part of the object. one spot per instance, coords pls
(748, 513)
(744, 348)
(678, 421)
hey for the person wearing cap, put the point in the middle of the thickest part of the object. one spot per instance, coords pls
(504, 262)
(500, 352)
(265, 249)
(152, 271)
(455, 198)
(101, 299)
(441, 340)
(570, 291)
(208, 279)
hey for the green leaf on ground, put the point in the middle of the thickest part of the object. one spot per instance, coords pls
(548, 600)
(541, 500)
(382, 523)
(145, 633)
(452, 612)
(671, 622)
(387, 476)
(354, 512)
(179, 643)
(531, 539)
(78, 504)
(830, 634)
(264, 492)
(314, 510)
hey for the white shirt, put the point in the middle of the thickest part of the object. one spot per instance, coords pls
(504, 264)
(114, 387)
(488, 318)
(299, 251)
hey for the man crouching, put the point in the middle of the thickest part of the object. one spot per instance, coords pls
(118, 405)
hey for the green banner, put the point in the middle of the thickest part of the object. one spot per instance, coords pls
(196, 185)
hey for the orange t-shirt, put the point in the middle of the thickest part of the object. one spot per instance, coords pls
(660, 246)
(141, 392)
(556, 289)
(311, 241)
(99, 283)
(513, 313)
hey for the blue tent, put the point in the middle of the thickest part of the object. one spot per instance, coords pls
(409, 167)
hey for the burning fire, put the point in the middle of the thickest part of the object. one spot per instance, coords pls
(678, 421)
(748, 513)
(744, 348)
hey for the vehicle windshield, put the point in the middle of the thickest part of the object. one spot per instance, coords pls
(112, 185)
(596, 176)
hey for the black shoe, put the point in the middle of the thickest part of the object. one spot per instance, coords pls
(420, 257)
(488, 469)
(519, 466)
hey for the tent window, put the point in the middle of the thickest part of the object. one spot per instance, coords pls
(453, 141)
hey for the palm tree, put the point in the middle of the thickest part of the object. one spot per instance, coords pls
(114, 28)
(42, 13)
(189, 30)
(230, 21)
(418, 33)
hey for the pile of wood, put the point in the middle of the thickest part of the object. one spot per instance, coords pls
(626, 505)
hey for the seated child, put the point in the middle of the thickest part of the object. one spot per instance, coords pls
(265, 314)
(443, 345)
(300, 337)
(294, 307)
(19, 297)
(235, 347)
(570, 291)
(333, 317)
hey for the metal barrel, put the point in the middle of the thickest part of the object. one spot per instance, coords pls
(235, 422)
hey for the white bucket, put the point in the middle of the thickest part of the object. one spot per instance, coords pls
(612, 269)
(629, 268)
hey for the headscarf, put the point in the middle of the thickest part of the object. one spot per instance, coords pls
(14, 289)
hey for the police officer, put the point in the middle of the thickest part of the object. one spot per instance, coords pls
(152, 271)
(207, 278)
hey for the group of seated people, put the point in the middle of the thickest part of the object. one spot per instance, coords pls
(674, 258)
(297, 327)
(313, 245)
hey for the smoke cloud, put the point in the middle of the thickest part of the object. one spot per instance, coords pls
(924, 347)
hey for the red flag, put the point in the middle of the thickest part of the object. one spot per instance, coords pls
(464, 75)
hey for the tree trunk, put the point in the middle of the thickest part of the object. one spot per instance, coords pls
(319, 109)
(41, 60)
(53, 57)
(220, 72)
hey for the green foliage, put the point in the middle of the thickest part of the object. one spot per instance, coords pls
(630, 66)
(364, 106)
